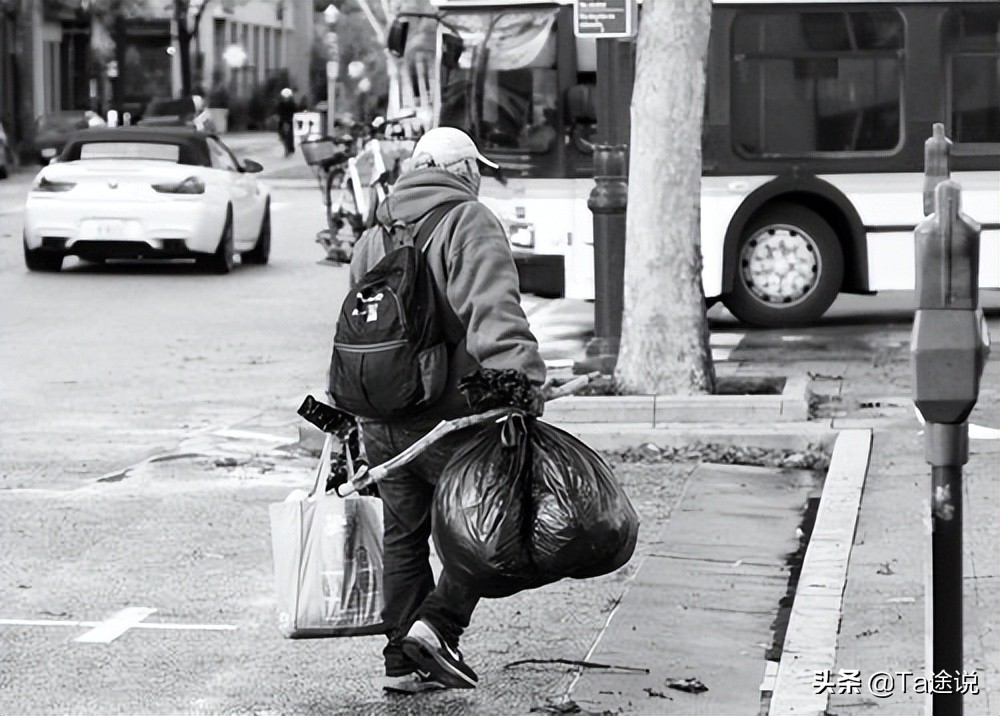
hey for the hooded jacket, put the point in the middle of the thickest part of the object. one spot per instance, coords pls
(475, 281)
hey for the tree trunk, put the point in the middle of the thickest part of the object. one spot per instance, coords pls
(664, 346)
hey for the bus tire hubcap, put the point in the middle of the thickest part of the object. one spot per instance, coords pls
(780, 265)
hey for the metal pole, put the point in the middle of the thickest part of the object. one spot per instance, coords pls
(330, 16)
(946, 547)
(609, 200)
(949, 346)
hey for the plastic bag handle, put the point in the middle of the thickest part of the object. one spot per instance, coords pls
(323, 469)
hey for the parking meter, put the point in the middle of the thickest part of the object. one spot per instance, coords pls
(950, 342)
(937, 151)
(949, 346)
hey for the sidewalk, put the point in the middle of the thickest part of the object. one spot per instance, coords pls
(266, 148)
(883, 626)
(700, 609)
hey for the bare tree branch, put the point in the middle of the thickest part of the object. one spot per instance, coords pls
(198, 14)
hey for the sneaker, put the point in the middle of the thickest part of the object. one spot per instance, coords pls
(429, 650)
(415, 683)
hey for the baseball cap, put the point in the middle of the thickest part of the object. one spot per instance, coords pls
(447, 145)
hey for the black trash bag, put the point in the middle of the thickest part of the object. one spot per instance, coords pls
(524, 504)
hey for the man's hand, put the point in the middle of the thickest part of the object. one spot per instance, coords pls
(537, 406)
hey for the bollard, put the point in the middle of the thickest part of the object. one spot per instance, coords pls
(607, 201)
(949, 346)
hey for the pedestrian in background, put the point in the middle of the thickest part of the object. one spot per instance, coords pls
(286, 119)
(477, 296)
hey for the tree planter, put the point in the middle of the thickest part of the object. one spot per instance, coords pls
(740, 399)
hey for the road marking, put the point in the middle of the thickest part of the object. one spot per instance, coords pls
(117, 624)
(726, 339)
(721, 354)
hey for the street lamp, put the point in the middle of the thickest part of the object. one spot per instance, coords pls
(330, 16)
(235, 57)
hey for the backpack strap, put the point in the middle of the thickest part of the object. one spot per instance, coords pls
(430, 222)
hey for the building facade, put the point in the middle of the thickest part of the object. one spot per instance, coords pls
(61, 54)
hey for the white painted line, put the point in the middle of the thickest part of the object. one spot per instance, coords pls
(44, 622)
(186, 627)
(726, 339)
(115, 625)
(980, 432)
(813, 626)
(721, 354)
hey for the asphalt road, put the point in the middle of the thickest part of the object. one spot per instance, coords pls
(102, 367)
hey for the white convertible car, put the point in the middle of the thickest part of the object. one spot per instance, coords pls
(135, 192)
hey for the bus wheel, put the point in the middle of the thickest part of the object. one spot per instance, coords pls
(789, 268)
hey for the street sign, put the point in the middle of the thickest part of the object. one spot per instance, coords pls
(605, 18)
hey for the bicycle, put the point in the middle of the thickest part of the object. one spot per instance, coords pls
(365, 180)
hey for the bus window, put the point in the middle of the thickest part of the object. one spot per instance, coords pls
(806, 82)
(972, 57)
(505, 92)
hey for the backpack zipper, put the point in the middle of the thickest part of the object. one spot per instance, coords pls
(371, 347)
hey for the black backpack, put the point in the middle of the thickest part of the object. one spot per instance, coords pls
(390, 358)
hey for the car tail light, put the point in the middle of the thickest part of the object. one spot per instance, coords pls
(44, 184)
(191, 185)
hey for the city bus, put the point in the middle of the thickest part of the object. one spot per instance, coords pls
(816, 114)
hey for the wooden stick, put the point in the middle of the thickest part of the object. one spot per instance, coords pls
(572, 386)
(409, 454)
(577, 662)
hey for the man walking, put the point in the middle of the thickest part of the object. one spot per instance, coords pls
(286, 119)
(476, 294)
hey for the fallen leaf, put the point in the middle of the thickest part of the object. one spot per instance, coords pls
(690, 685)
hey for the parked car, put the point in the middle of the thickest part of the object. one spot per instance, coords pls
(52, 130)
(141, 192)
(189, 111)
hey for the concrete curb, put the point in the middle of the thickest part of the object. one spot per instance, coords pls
(619, 436)
(810, 646)
(654, 410)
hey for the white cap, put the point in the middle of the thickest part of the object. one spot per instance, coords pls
(447, 145)
(287, 92)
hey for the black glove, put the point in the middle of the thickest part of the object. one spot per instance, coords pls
(537, 404)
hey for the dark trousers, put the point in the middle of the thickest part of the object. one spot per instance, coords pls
(287, 135)
(407, 498)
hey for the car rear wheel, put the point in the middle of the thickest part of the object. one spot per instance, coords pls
(224, 258)
(41, 260)
(789, 268)
(261, 251)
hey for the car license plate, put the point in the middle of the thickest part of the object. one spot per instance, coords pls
(104, 230)
(48, 152)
